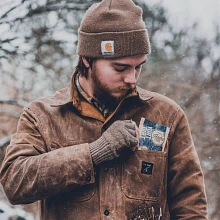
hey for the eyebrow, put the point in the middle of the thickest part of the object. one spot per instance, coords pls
(123, 64)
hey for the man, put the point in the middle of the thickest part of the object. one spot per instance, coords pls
(81, 153)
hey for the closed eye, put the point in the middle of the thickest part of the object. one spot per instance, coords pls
(120, 69)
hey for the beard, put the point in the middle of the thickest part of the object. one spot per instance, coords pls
(104, 96)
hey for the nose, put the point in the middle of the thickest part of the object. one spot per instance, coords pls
(130, 77)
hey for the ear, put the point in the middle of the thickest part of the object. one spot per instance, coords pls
(86, 63)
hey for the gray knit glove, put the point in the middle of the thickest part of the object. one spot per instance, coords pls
(120, 134)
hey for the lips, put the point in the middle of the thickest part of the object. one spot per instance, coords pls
(127, 88)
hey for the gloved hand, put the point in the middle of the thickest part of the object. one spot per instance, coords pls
(120, 135)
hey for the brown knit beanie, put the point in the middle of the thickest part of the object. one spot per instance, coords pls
(113, 29)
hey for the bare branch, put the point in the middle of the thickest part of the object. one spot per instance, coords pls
(186, 86)
(20, 103)
(54, 6)
(204, 85)
(11, 9)
(7, 40)
(6, 13)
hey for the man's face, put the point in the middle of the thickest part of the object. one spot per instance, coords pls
(112, 78)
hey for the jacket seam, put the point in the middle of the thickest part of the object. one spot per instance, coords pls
(38, 125)
(173, 119)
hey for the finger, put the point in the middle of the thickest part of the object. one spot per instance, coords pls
(130, 124)
(127, 120)
(132, 132)
(133, 142)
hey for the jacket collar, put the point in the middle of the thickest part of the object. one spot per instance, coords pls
(70, 94)
(144, 95)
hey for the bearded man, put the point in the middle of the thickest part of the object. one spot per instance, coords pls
(103, 148)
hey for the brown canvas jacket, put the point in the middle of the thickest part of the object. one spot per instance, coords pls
(49, 160)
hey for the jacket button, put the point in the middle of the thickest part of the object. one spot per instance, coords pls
(105, 127)
(88, 178)
(106, 212)
(106, 169)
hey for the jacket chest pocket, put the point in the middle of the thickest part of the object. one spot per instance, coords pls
(143, 175)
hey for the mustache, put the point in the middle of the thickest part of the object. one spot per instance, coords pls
(130, 87)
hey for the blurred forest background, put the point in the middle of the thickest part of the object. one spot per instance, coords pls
(38, 41)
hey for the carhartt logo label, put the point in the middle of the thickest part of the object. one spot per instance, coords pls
(107, 48)
(147, 167)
